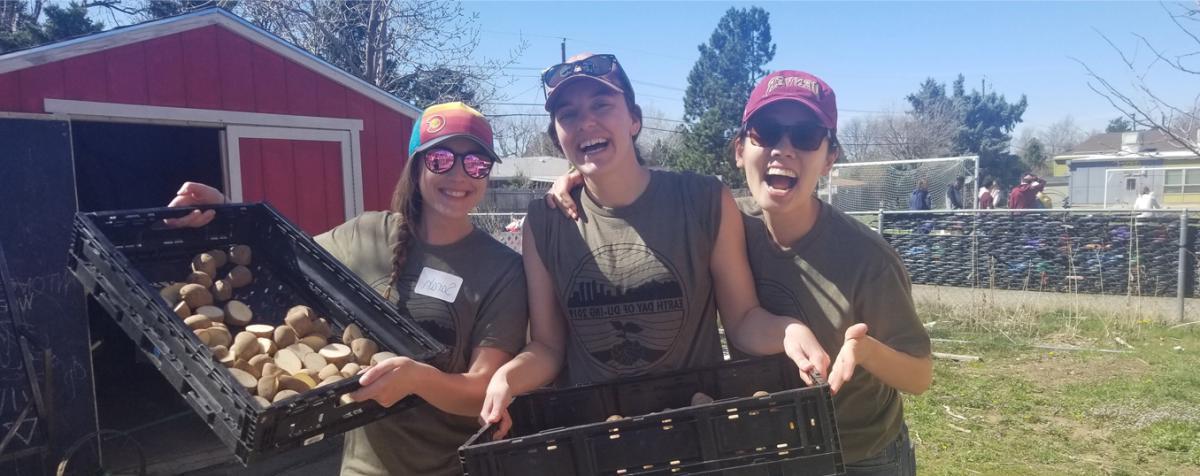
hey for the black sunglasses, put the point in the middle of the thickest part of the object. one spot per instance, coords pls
(806, 137)
(595, 65)
(440, 161)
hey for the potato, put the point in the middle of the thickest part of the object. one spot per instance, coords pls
(218, 334)
(287, 360)
(380, 357)
(219, 257)
(170, 293)
(201, 278)
(314, 341)
(214, 313)
(195, 295)
(220, 353)
(198, 322)
(300, 383)
(240, 255)
(268, 386)
(284, 395)
(244, 379)
(351, 369)
(613, 418)
(300, 349)
(182, 310)
(205, 263)
(258, 362)
(350, 333)
(267, 346)
(245, 346)
(222, 290)
(321, 328)
(327, 371)
(760, 393)
(271, 370)
(285, 336)
(238, 313)
(314, 361)
(300, 318)
(262, 402)
(331, 379)
(240, 276)
(700, 398)
(204, 336)
(337, 354)
(363, 349)
(261, 330)
(244, 366)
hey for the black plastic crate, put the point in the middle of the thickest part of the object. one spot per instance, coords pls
(790, 431)
(123, 258)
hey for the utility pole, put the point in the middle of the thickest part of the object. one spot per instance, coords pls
(564, 51)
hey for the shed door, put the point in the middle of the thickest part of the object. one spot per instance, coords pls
(310, 175)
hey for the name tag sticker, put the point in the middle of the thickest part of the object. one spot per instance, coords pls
(438, 284)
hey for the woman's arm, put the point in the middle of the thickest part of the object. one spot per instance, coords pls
(540, 361)
(460, 394)
(748, 326)
(897, 369)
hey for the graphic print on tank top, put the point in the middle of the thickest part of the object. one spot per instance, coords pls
(625, 306)
(438, 318)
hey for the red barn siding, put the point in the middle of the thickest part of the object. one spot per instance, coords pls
(213, 68)
(165, 81)
(201, 68)
(127, 74)
(86, 77)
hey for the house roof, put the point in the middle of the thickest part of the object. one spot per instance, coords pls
(1110, 143)
(122, 36)
(538, 168)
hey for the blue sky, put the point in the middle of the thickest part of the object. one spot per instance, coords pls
(872, 54)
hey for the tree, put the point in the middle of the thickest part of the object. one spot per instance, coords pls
(1145, 106)
(1034, 156)
(21, 25)
(1120, 124)
(983, 123)
(719, 84)
(62, 23)
(153, 9)
(1061, 136)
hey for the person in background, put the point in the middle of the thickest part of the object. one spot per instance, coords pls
(1025, 195)
(954, 193)
(984, 197)
(1044, 200)
(919, 199)
(1146, 201)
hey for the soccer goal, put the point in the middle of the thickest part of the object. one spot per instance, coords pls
(869, 186)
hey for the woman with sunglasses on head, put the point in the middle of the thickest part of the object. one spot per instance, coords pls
(812, 260)
(427, 241)
(635, 284)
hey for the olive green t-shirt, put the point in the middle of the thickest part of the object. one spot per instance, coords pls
(634, 282)
(489, 310)
(839, 274)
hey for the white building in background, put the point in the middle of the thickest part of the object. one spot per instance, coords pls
(1110, 170)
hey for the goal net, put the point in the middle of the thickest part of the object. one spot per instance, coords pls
(869, 186)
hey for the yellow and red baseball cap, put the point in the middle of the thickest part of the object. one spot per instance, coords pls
(442, 122)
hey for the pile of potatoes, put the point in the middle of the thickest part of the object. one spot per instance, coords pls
(271, 362)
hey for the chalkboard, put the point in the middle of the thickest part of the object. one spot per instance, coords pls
(37, 205)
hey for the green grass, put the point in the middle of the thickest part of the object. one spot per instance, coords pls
(1029, 410)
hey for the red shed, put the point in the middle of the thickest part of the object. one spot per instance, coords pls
(209, 96)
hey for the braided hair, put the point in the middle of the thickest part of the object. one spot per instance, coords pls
(406, 203)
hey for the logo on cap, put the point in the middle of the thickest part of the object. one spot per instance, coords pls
(435, 124)
(793, 81)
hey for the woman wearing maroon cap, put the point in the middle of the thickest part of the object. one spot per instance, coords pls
(463, 286)
(812, 260)
(634, 285)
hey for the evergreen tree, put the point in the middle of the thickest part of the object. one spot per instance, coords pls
(1120, 124)
(730, 64)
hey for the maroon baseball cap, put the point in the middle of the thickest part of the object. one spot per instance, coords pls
(798, 86)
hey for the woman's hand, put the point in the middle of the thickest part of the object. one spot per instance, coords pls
(559, 195)
(390, 381)
(802, 347)
(495, 405)
(193, 194)
(849, 357)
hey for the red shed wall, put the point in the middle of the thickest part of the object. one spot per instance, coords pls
(213, 68)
